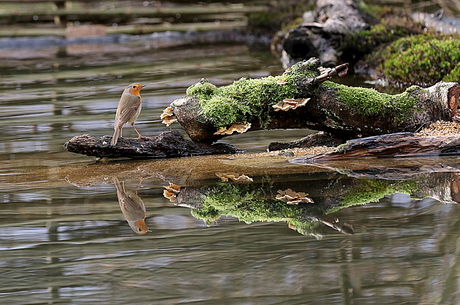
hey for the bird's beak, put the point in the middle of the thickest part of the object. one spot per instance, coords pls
(143, 86)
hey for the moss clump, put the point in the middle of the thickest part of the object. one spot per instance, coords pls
(247, 100)
(453, 76)
(370, 102)
(422, 59)
(202, 90)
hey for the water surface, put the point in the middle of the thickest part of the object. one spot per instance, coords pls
(65, 240)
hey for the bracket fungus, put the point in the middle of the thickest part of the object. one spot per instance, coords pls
(290, 103)
(235, 127)
(168, 116)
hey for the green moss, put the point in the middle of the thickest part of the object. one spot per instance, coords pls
(370, 102)
(422, 59)
(453, 76)
(202, 90)
(247, 100)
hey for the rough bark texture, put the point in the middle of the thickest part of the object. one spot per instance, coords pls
(401, 144)
(168, 144)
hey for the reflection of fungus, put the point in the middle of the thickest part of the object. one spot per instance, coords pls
(291, 197)
(168, 116)
(234, 177)
(290, 103)
(171, 191)
(239, 128)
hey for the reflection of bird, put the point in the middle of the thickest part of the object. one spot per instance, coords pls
(132, 207)
(129, 108)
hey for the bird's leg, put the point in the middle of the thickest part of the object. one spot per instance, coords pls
(138, 133)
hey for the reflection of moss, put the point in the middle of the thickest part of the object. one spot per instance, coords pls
(244, 202)
(372, 190)
(250, 204)
(249, 99)
(367, 101)
(422, 59)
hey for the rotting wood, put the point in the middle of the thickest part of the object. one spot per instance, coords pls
(402, 144)
(168, 144)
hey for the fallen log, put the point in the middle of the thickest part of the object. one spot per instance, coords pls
(403, 144)
(303, 98)
(168, 144)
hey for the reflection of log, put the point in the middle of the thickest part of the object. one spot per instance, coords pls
(388, 146)
(168, 144)
(208, 113)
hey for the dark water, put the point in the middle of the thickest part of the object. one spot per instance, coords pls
(384, 236)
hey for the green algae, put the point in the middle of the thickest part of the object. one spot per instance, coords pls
(247, 100)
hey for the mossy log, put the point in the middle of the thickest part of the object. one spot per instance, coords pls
(303, 98)
(168, 144)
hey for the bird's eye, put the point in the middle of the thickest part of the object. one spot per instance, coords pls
(134, 86)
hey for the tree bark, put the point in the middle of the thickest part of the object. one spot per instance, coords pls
(346, 112)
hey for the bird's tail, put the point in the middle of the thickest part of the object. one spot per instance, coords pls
(116, 135)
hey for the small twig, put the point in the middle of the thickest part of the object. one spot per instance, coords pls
(340, 70)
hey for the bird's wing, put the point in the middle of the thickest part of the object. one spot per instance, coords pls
(130, 104)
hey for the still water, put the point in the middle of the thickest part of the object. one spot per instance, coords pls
(381, 236)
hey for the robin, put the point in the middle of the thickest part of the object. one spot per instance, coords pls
(129, 108)
(132, 207)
